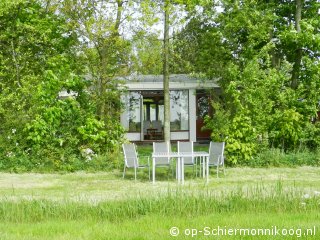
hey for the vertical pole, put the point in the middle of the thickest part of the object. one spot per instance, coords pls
(166, 90)
(141, 118)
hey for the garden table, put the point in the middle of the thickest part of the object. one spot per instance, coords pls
(204, 157)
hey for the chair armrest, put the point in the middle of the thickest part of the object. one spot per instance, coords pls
(221, 159)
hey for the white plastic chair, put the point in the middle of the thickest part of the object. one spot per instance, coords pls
(162, 147)
(216, 156)
(131, 159)
(187, 147)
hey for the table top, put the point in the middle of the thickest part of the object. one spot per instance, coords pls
(180, 154)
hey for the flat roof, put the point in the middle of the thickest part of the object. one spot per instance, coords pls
(176, 81)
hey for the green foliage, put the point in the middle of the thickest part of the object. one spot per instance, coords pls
(311, 137)
(239, 135)
(92, 130)
(275, 157)
(220, 123)
(268, 71)
(241, 142)
(287, 127)
(39, 60)
(149, 58)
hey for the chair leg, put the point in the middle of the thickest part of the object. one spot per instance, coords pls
(196, 167)
(149, 172)
(193, 167)
(176, 172)
(124, 171)
(218, 171)
(170, 169)
(204, 167)
(135, 173)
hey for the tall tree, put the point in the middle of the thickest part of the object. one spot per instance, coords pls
(166, 73)
(298, 51)
(103, 47)
(255, 46)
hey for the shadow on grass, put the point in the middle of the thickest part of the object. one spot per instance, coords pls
(164, 174)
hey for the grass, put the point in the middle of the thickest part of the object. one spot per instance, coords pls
(173, 203)
(150, 227)
(104, 206)
(105, 186)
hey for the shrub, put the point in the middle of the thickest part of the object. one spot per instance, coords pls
(275, 157)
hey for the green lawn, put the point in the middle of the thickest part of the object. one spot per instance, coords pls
(104, 206)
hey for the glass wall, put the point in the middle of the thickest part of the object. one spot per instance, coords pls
(179, 110)
(152, 115)
(147, 106)
(133, 110)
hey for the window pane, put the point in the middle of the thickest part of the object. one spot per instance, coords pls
(133, 110)
(179, 114)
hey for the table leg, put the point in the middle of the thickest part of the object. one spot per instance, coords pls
(196, 159)
(182, 170)
(153, 170)
(179, 169)
(200, 160)
(207, 166)
(204, 166)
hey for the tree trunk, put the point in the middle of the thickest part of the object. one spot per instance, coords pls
(105, 49)
(166, 73)
(298, 56)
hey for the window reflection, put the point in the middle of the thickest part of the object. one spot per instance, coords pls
(133, 112)
(179, 110)
(153, 110)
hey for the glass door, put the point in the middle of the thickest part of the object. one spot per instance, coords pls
(152, 111)
(203, 109)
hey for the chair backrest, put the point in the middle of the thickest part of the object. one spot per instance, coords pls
(157, 125)
(146, 125)
(188, 148)
(130, 155)
(162, 147)
(216, 151)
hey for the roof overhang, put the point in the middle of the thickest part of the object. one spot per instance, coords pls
(176, 81)
(159, 86)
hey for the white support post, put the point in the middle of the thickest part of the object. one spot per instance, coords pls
(192, 115)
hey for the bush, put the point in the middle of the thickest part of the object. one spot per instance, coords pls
(275, 157)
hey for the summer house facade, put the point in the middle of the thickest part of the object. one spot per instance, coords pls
(144, 107)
